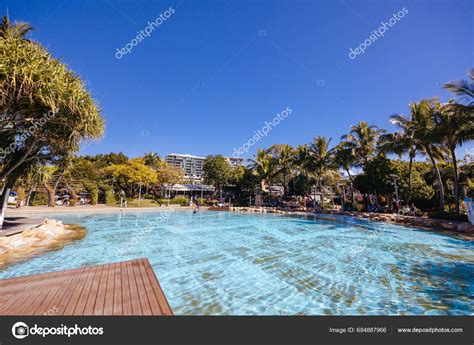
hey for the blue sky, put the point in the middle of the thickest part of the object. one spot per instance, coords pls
(210, 75)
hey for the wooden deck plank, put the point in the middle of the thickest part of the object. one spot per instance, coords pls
(134, 299)
(81, 303)
(146, 310)
(92, 299)
(117, 306)
(126, 299)
(124, 288)
(99, 304)
(69, 289)
(155, 306)
(109, 291)
(77, 290)
(160, 296)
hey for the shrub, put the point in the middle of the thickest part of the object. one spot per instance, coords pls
(201, 201)
(180, 200)
(162, 201)
(109, 196)
(72, 201)
(94, 195)
(39, 198)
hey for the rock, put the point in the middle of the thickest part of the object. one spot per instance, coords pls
(19, 241)
(448, 225)
(3, 250)
(465, 227)
(28, 233)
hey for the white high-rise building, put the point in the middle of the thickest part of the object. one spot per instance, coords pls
(192, 166)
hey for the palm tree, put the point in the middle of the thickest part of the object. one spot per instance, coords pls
(464, 89)
(401, 142)
(17, 30)
(284, 156)
(362, 138)
(151, 159)
(264, 167)
(345, 159)
(302, 164)
(321, 160)
(454, 127)
(423, 125)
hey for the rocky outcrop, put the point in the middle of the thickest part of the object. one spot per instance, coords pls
(50, 235)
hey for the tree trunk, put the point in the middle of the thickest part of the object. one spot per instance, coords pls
(4, 199)
(28, 197)
(72, 196)
(51, 195)
(20, 196)
(410, 167)
(438, 176)
(456, 179)
(352, 189)
(321, 194)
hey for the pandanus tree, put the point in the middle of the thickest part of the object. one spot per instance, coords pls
(45, 109)
(12, 31)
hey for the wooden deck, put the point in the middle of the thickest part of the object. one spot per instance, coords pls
(123, 288)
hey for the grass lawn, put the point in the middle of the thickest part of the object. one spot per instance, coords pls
(143, 203)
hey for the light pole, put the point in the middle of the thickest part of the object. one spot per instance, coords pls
(139, 192)
(394, 177)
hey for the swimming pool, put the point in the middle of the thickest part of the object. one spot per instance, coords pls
(222, 263)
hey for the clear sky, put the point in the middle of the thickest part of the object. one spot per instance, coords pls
(213, 72)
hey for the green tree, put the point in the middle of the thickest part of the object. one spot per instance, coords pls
(345, 159)
(321, 161)
(363, 139)
(45, 109)
(376, 177)
(284, 159)
(454, 126)
(131, 175)
(412, 186)
(217, 172)
(15, 31)
(264, 168)
(423, 125)
(152, 159)
(402, 142)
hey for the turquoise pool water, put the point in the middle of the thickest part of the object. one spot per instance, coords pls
(259, 264)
